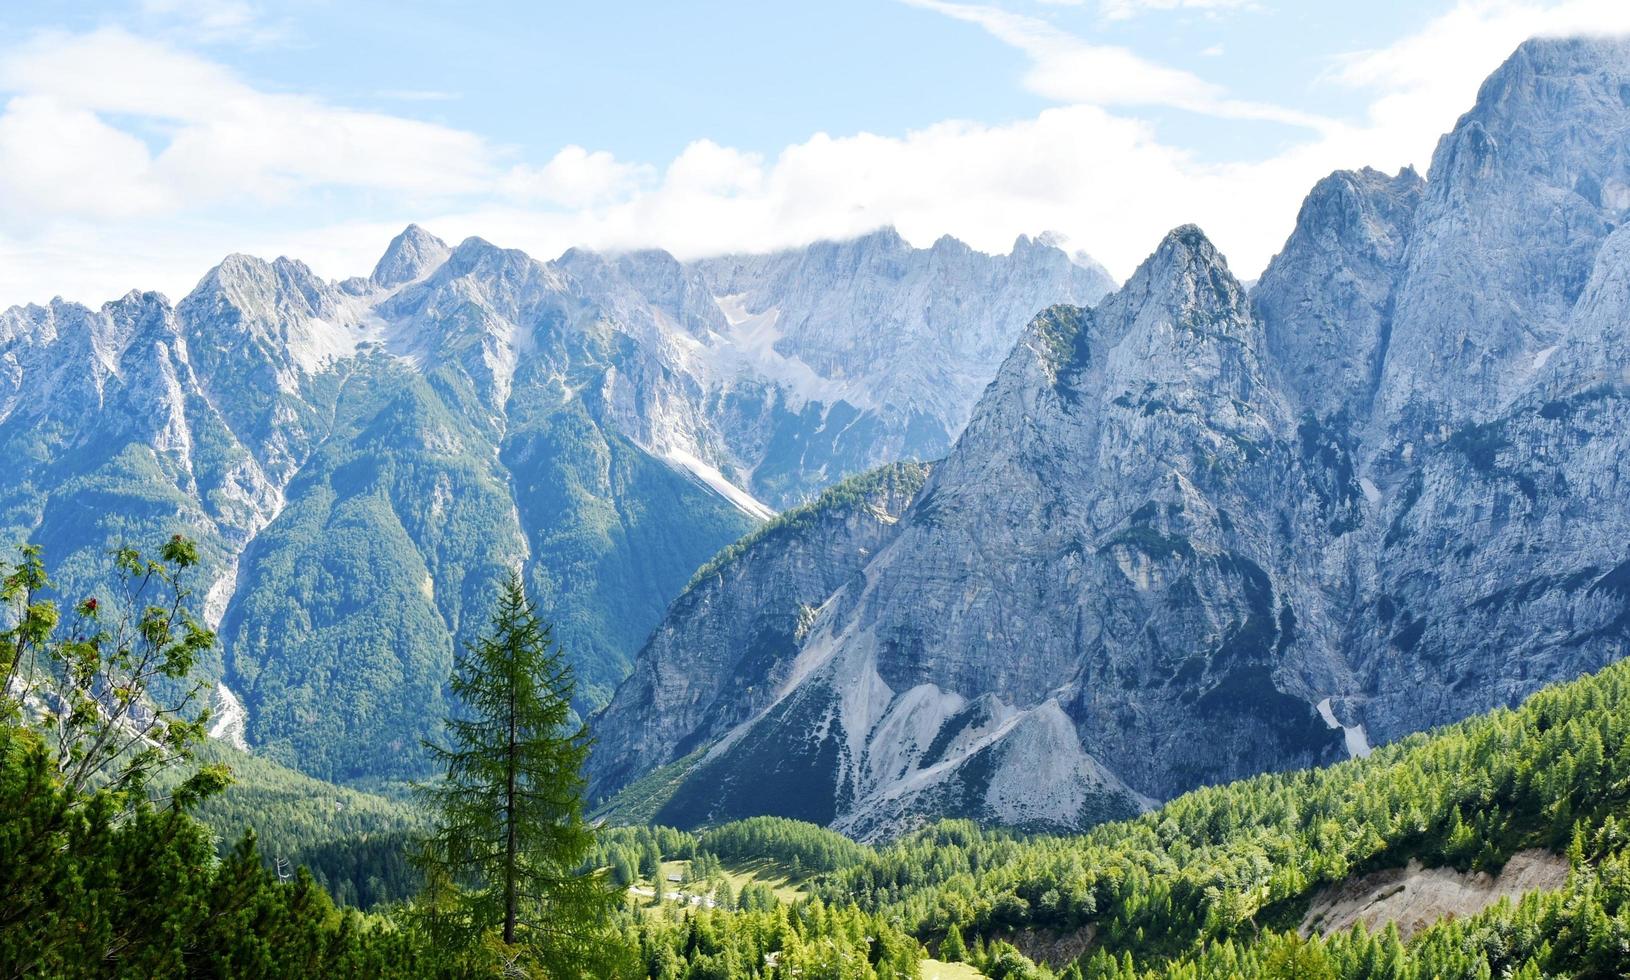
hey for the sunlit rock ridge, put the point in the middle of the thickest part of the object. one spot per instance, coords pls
(1195, 532)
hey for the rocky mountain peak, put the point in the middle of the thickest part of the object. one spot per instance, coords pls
(1187, 252)
(252, 290)
(631, 286)
(411, 255)
(1520, 197)
(1326, 299)
(605, 420)
(1185, 283)
(884, 239)
(136, 310)
(476, 253)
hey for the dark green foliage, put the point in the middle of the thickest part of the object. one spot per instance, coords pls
(356, 845)
(903, 479)
(640, 801)
(395, 528)
(1064, 333)
(510, 840)
(809, 940)
(113, 685)
(403, 520)
(93, 886)
(783, 841)
(618, 534)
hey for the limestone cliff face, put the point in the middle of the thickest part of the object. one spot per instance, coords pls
(1188, 535)
(1522, 193)
(1326, 300)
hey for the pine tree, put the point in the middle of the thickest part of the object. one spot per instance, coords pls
(951, 948)
(511, 835)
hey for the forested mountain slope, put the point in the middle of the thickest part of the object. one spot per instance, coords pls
(360, 461)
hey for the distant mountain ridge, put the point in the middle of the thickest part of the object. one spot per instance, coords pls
(362, 460)
(1196, 532)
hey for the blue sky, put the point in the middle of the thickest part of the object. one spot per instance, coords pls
(140, 140)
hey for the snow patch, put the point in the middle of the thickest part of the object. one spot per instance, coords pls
(750, 347)
(231, 718)
(1541, 358)
(1356, 739)
(711, 477)
(1372, 493)
(734, 308)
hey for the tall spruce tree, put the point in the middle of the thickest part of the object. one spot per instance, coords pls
(509, 848)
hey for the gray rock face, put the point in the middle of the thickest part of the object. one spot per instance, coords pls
(1089, 567)
(1327, 299)
(862, 314)
(362, 460)
(1521, 196)
(1188, 536)
(831, 360)
(730, 637)
(411, 255)
(1503, 563)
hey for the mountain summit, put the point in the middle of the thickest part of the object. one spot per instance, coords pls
(1190, 534)
(361, 461)
(413, 254)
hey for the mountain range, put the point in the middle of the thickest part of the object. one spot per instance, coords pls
(361, 461)
(1198, 531)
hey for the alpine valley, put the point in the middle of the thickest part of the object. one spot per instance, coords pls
(1198, 531)
(857, 611)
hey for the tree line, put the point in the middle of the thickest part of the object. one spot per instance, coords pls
(107, 869)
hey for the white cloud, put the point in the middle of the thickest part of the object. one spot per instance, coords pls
(63, 160)
(212, 20)
(219, 138)
(576, 178)
(1426, 80)
(1122, 9)
(92, 203)
(1066, 69)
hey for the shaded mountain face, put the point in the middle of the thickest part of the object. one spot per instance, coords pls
(1191, 534)
(362, 461)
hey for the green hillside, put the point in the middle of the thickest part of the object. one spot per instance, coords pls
(1213, 884)
(354, 844)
